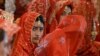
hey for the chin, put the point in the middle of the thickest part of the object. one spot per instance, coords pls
(35, 41)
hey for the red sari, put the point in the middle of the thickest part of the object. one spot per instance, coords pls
(22, 44)
(61, 42)
(45, 8)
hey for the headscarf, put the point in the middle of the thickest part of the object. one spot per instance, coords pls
(22, 44)
(60, 6)
(40, 6)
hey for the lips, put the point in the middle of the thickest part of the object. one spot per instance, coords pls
(36, 38)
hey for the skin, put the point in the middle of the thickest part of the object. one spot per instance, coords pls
(5, 47)
(37, 32)
(67, 11)
(1, 49)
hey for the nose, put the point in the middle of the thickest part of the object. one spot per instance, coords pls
(37, 33)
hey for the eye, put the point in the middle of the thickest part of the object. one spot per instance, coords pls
(41, 28)
(34, 28)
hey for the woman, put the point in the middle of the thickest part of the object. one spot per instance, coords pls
(63, 8)
(27, 39)
(45, 8)
(66, 39)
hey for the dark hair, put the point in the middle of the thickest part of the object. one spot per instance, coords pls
(2, 35)
(40, 18)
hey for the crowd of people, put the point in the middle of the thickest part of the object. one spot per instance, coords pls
(49, 28)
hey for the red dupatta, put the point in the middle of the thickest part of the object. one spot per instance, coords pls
(22, 44)
(66, 39)
(74, 27)
(40, 6)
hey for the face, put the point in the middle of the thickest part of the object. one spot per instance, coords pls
(67, 11)
(37, 32)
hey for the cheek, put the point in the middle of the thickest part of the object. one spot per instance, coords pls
(41, 34)
(32, 34)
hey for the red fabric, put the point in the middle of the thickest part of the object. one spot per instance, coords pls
(44, 8)
(98, 37)
(52, 26)
(56, 7)
(66, 39)
(86, 8)
(97, 44)
(22, 44)
(51, 10)
(1, 23)
(92, 49)
(51, 21)
(76, 27)
(20, 8)
(60, 5)
(98, 33)
(40, 6)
